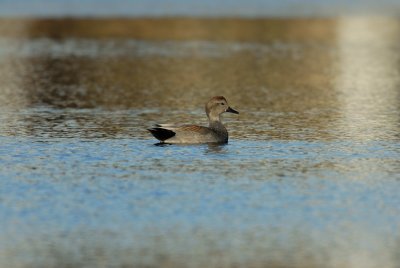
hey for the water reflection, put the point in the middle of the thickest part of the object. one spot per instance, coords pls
(181, 61)
(368, 76)
(217, 149)
(309, 178)
(67, 123)
(312, 77)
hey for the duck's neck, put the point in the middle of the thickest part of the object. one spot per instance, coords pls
(214, 122)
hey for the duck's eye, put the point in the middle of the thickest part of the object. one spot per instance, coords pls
(222, 103)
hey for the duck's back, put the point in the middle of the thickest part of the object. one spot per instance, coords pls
(190, 134)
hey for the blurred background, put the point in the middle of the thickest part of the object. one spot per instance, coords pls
(310, 177)
(207, 8)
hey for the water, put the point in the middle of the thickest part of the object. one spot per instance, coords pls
(310, 177)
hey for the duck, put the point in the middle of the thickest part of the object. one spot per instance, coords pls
(215, 133)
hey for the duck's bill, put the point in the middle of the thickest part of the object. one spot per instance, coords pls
(230, 110)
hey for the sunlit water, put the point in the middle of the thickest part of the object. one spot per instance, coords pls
(310, 177)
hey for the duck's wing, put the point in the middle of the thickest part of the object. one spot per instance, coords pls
(194, 129)
(186, 128)
(167, 125)
(164, 132)
(172, 133)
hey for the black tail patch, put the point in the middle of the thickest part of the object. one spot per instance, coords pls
(161, 134)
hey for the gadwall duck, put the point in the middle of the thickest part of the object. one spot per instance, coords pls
(214, 133)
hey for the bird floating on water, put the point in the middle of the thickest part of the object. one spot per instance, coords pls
(190, 134)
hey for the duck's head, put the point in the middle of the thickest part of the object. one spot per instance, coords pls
(216, 106)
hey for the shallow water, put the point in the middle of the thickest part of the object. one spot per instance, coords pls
(310, 177)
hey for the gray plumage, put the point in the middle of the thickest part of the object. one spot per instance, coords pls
(214, 133)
